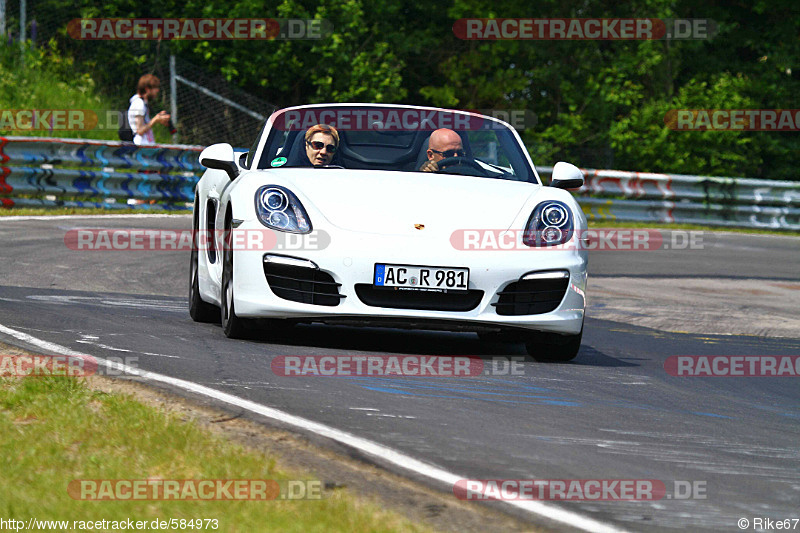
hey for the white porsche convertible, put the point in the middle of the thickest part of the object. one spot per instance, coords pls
(370, 233)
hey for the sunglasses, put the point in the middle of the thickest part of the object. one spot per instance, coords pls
(450, 153)
(319, 145)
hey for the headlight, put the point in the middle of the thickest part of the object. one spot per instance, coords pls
(278, 208)
(550, 225)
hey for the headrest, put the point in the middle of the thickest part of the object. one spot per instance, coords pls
(297, 155)
(423, 153)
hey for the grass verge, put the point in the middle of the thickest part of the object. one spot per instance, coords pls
(55, 429)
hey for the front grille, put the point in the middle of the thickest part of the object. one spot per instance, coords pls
(301, 284)
(531, 297)
(416, 299)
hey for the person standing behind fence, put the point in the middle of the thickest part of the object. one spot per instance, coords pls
(139, 114)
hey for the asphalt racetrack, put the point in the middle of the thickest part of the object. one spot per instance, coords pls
(612, 413)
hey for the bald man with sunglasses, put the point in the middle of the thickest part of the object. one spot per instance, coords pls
(322, 142)
(443, 143)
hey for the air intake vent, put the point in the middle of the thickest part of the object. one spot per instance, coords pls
(531, 297)
(416, 299)
(301, 284)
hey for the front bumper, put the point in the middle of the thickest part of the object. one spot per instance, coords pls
(349, 260)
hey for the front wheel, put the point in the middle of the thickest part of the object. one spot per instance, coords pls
(552, 347)
(233, 326)
(199, 310)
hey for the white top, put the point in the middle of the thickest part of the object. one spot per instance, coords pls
(139, 108)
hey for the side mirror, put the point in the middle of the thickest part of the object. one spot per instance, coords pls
(566, 176)
(221, 157)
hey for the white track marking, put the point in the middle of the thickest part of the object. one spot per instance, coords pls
(406, 462)
(30, 339)
(107, 347)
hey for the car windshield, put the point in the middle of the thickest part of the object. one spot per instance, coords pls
(396, 138)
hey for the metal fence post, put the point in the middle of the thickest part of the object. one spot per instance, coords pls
(173, 95)
(23, 8)
(2, 18)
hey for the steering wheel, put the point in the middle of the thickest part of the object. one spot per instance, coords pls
(460, 162)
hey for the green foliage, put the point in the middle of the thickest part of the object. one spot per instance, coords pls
(644, 134)
(43, 78)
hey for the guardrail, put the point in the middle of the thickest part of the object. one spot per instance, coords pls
(45, 172)
(649, 197)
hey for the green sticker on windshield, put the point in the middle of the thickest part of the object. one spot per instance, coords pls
(278, 162)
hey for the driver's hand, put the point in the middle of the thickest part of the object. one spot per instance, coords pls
(429, 166)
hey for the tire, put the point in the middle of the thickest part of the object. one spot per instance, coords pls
(199, 310)
(552, 347)
(233, 326)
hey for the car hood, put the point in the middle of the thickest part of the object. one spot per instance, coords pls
(394, 202)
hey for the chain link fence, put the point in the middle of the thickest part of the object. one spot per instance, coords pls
(209, 108)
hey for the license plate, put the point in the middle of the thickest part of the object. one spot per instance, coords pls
(421, 277)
